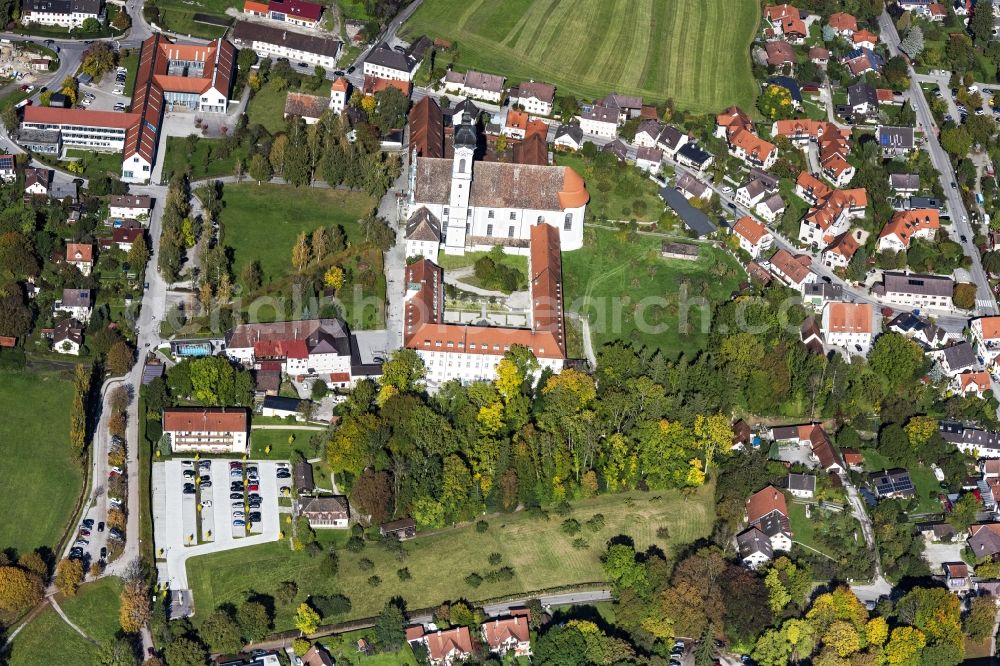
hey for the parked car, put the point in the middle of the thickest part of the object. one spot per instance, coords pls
(187, 463)
(255, 516)
(189, 474)
(206, 503)
(205, 464)
(234, 496)
(88, 523)
(116, 534)
(253, 487)
(76, 553)
(189, 489)
(104, 552)
(81, 542)
(238, 523)
(84, 532)
(100, 527)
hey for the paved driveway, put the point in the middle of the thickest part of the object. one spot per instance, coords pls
(937, 554)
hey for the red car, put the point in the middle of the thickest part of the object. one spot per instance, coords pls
(24, 87)
(253, 487)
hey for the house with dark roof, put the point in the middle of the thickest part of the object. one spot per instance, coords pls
(65, 13)
(272, 41)
(802, 485)
(694, 219)
(384, 62)
(984, 540)
(67, 337)
(895, 141)
(404, 528)
(423, 234)
(755, 548)
(767, 511)
(904, 183)
(915, 290)
(693, 157)
(892, 483)
(477, 85)
(77, 303)
(956, 358)
(974, 441)
(534, 97)
(569, 136)
(325, 512)
(281, 407)
(862, 99)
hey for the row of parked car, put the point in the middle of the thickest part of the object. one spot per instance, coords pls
(245, 507)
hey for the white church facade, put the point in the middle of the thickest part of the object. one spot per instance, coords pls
(467, 205)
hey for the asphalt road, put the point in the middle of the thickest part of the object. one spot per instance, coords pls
(985, 302)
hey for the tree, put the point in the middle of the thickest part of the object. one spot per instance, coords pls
(964, 295)
(118, 652)
(185, 652)
(300, 253)
(389, 628)
(260, 168)
(896, 358)
(138, 254)
(334, 277)
(70, 89)
(978, 623)
(19, 589)
(134, 610)
(981, 23)
(34, 563)
(306, 619)
(913, 44)
(98, 59)
(775, 102)
(254, 621)
(90, 26)
(956, 141)
(251, 275)
(246, 59)
(404, 371)
(221, 632)
(991, 261)
(904, 647)
(119, 359)
(69, 575)
(373, 493)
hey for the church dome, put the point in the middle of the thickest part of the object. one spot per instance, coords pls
(573, 193)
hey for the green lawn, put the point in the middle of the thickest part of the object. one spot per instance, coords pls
(209, 158)
(95, 609)
(630, 293)
(802, 527)
(451, 262)
(281, 449)
(268, 108)
(50, 640)
(694, 51)
(629, 193)
(39, 474)
(540, 554)
(344, 649)
(131, 63)
(178, 15)
(262, 221)
(926, 484)
(96, 164)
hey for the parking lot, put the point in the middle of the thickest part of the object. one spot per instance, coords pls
(224, 520)
(105, 95)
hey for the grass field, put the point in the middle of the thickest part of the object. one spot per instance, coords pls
(95, 609)
(38, 472)
(96, 164)
(540, 554)
(267, 108)
(50, 640)
(178, 16)
(694, 51)
(205, 161)
(630, 293)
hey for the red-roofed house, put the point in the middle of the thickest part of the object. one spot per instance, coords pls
(864, 39)
(793, 271)
(850, 326)
(907, 225)
(986, 335)
(207, 429)
(752, 149)
(296, 12)
(973, 382)
(80, 255)
(508, 635)
(767, 511)
(937, 11)
(786, 21)
(753, 236)
(843, 24)
(447, 647)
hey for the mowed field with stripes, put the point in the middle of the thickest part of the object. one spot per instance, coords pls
(693, 51)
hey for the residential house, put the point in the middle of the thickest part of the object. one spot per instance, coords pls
(986, 336)
(751, 149)
(792, 270)
(671, 141)
(754, 238)
(939, 13)
(817, 294)
(853, 459)
(647, 133)
(325, 512)
(616, 148)
(864, 39)
(802, 485)
(280, 407)
(307, 107)
(64, 13)
(692, 188)
(832, 216)
(861, 61)
(955, 359)
(509, 635)
(448, 647)
(822, 450)
(984, 540)
(729, 120)
(515, 124)
(819, 56)
(339, 94)
(862, 99)
(692, 156)
(904, 184)
(841, 250)
(780, 54)
(207, 430)
(990, 469)
(130, 207)
(67, 337)
(478, 85)
(317, 656)
(742, 435)
(956, 576)
(600, 121)
(907, 225)
(649, 159)
(895, 141)
(771, 208)
(124, 237)
(694, 218)
(759, 186)
(296, 12)
(627, 106)
(755, 548)
(786, 22)
(843, 24)
(78, 303)
(811, 336)
(37, 181)
(402, 529)
(929, 336)
(269, 41)
(423, 233)
(851, 327)
(977, 443)
(534, 97)
(80, 255)
(972, 383)
(767, 511)
(8, 173)
(387, 63)
(302, 475)
(832, 141)
(569, 137)
(916, 291)
(892, 483)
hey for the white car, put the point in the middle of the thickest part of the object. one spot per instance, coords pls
(727, 190)
(205, 503)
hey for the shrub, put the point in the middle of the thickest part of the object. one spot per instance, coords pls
(329, 606)
(563, 508)
(374, 581)
(365, 564)
(355, 544)
(404, 574)
(662, 532)
(580, 543)
(571, 526)
(482, 526)
(596, 523)
(473, 580)
(495, 558)
(300, 646)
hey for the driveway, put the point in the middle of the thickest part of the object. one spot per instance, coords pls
(937, 554)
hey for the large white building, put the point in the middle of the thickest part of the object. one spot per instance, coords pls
(478, 205)
(273, 42)
(386, 63)
(468, 352)
(320, 348)
(536, 97)
(986, 336)
(65, 13)
(850, 326)
(207, 429)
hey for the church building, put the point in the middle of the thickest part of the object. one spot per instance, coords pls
(468, 205)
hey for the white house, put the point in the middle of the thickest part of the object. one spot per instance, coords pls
(755, 548)
(802, 485)
(488, 87)
(313, 347)
(130, 207)
(915, 290)
(600, 121)
(986, 336)
(67, 337)
(906, 225)
(792, 270)
(535, 97)
(8, 173)
(753, 236)
(339, 92)
(771, 208)
(76, 302)
(752, 149)
(569, 137)
(207, 430)
(80, 255)
(509, 635)
(850, 327)
(956, 359)
(270, 41)
(484, 204)
(649, 159)
(386, 63)
(325, 512)
(767, 511)
(64, 13)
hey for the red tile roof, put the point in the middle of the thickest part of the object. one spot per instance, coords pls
(905, 223)
(79, 253)
(297, 8)
(750, 229)
(457, 641)
(500, 631)
(849, 317)
(56, 116)
(207, 419)
(763, 502)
